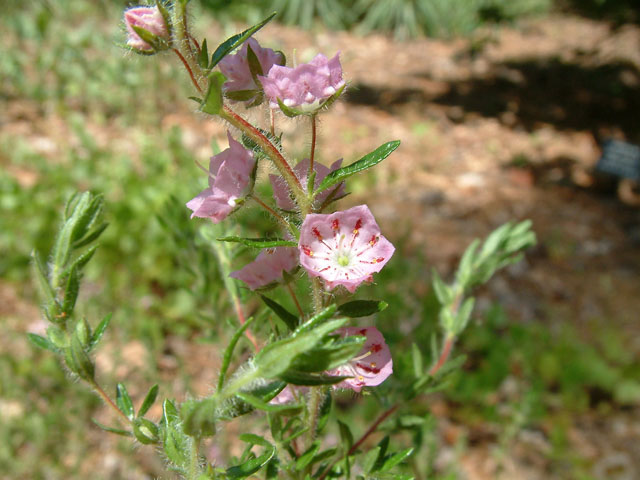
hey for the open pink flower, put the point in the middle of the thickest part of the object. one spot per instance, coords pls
(371, 366)
(149, 18)
(236, 67)
(344, 248)
(282, 193)
(306, 86)
(268, 266)
(230, 178)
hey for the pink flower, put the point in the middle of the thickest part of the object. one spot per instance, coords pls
(148, 18)
(230, 178)
(287, 395)
(281, 189)
(371, 366)
(305, 87)
(267, 268)
(236, 67)
(344, 248)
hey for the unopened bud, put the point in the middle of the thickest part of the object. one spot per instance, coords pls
(147, 29)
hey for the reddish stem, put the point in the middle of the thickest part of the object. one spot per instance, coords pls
(247, 127)
(444, 355)
(110, 402)
(295, 300)
(272, 119)
(186, 65)
(195, 42)
(242, 320)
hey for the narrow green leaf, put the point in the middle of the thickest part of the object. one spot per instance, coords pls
(203, 56)
(365, 162)
(99, 332)
(145, 431)
(253, 465)
(258, 404)
(43, 279)
(443, 292)
(71, 292)
(259, 242)
(123, 400)
(329, 356)
(254, 65)
(416, 357)
(117, 431)
(287, 317)
(464, 314)
(228, 352)
(235, 41)
(296, 377)
(42, 342)
(236, 407)
(324, 412)
(305, 459)
(289, 111)
(91, 236)
(148, 401)
(81, 261)
(147, 36)
(58, 336)
(84, 367)
(362, 308)
(275, 358)
(370, 458)
(212, 102)
(170, 414)
(241, 95)
(384, 445)
(317, 319)
(391, 461)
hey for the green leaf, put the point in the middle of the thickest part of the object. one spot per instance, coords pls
(289, 111)
(123, 400)
(275, 358)
(287, 317)
(296, 377)
(329, 356)
(117, 431)
(145, 431)
(259, 242)
(99, 332)
(362, 308)
(81, 261)
(258, 404)
(203, 56)
(254, 65)
(82, 364)
(324, 412)
(83, 332)
(443, 292)
(391, 461)
(236, 407)
(176, 446)
(370, 458)
(148, 401)
(365, 162)
(305, 459)
(42, 342)
(212, 102)
(58, 336)
(416, 357)
(170, 413)
(384, 445)
(91, 236)
(199, 417)
(43, 279)
(71, 292)
(228, 352)
(241, 95)
(148, 37)
(463, 316)
(253, 465)
(345, 434)
(235, 41)
(317, 319)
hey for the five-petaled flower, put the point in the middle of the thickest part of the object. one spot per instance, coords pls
(268, 267)
(282, 193)
(230, 179)
(371, 366)
(344, 248)
(149, 19)
(305, 87)
(238, 71)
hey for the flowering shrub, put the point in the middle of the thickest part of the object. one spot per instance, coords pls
(304, 359)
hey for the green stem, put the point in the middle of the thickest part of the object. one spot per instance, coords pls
(181, 38)
(314, 404)
(194, 465)
(313, 144)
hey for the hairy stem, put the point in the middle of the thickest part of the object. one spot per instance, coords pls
(444, 355)
(98, 389)
(313, 144)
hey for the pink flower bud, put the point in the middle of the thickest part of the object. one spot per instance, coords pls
(268, 267)
(230, 179)
(344, 248)
(281, 189)
(305, 87)
(371, 366)
(148, 18)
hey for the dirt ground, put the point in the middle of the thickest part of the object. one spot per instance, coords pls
(506, 125)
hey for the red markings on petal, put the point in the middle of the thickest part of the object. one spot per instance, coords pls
(358, 224)
(307, 251)
(316, 233)
(375, 348)
(335, 225)
(367, 368)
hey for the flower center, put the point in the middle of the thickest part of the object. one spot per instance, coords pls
(343, 260)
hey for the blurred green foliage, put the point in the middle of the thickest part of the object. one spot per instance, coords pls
(403, 18)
